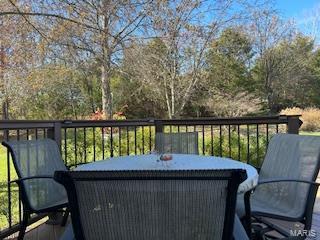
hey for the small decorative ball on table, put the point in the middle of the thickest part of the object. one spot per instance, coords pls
(166, 157)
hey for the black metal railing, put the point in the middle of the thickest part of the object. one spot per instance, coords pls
(244, 139)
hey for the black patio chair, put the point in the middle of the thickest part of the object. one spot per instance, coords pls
(144, 205)
(287, 189)
(183, 142)
(35, 162)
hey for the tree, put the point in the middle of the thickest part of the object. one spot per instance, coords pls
(90, 30)
(228, 75)
(172, 64)
(288, 72)
(228, 61)
(17, 57)
(152, 58)
(267, 30)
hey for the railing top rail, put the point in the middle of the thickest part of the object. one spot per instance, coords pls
(106, 123)
(20, 124)
(24, 124)
(229, 121)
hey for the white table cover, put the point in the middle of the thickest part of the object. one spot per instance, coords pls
(178, 162)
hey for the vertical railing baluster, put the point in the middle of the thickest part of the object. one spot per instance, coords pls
(65, 147)
(19, 193)
(28, 153)
(150, 141)
(142, 129)
(128, 141)
(220, 139)
(257, 135)
(36, 133)
(277, 128)
(119, 141)
(85, 143)
(111, 142)
(248, 144)
(75, 147)
(187, 144)
(267, 133)
(94, 143)
(239, 144)
(135, 140)
(211, 138)
(171, 139)
(203, 142)
(229, 140)
(6, 133)
(102, 141)
(37, 166)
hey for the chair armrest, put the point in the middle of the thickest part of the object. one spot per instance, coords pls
(33, 177)
(247, 195)
(276, 180)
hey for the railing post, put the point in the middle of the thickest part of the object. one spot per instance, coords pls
(159, 126)
(55, 133)
(294, 123)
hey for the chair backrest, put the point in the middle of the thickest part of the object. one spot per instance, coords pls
(35, 158)
(289, 156)
(144, 205)
(184, 142)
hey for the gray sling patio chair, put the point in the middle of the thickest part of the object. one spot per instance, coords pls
(158, 205)
(287, 189)
(35, 162)
(184, 142)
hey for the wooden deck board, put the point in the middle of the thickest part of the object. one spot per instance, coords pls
(42, 232)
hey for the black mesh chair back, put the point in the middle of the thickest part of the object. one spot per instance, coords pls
(157, 205)
(37, 158)
(289, 156)
(184, 143)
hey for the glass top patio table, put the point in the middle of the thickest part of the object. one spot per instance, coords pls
(178, 162)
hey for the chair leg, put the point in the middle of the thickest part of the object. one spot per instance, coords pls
(247, 217)
(24, 226)
(65, 217)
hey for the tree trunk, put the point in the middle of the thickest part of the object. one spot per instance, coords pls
(5, 109)
(5, 102)
(106, 91)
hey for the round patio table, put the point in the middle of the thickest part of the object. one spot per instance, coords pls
(178, 162)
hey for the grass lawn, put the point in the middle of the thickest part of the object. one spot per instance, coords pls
(4, 191)
(310, 133)
(3, 163)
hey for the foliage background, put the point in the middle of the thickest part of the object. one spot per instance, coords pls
(161, 59)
